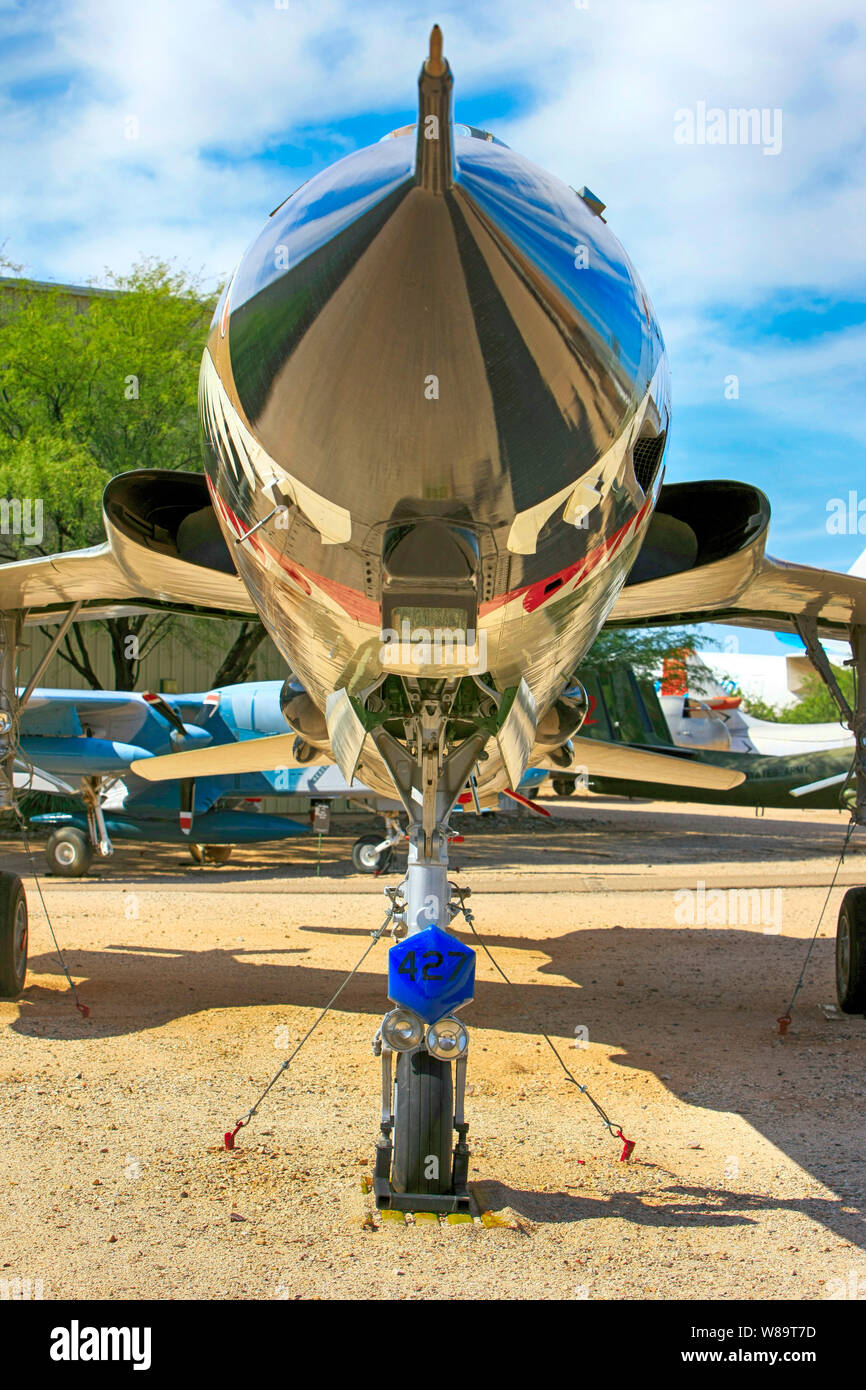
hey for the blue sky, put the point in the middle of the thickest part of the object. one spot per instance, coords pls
(172, 130)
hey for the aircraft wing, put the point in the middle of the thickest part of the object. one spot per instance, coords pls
(148, 561)
(595, 758)
(225, 759)
(768, 597)
(703, 560)
(116, 714)
(105, 587)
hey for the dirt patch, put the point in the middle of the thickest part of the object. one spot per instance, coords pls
(748, 1179)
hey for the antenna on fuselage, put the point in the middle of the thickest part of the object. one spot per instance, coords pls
(434, 150)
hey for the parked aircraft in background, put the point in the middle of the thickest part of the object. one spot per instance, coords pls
(83, 742)
(805, 774)
(704, 711)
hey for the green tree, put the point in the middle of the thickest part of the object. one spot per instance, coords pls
(96, 383)
(815, 704)
(646, 650)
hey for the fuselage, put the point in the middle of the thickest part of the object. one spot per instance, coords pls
(481, 356)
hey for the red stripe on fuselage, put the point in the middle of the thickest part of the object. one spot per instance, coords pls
(534, 595)
(363, 609)
(354, 604)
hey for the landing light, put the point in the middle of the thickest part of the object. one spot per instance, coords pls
(402, 1030)
(447, 1039)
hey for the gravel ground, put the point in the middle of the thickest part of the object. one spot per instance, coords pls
(748, 1179)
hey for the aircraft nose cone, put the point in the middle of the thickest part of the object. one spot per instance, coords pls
(483, 344)
(433, 322)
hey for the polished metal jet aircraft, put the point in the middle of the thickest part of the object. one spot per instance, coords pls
(435, 404)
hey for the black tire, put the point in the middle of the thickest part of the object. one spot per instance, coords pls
(851, 952)
(13, 935)
(68, 852)
(563, 786)
(365, 861)
(423, 1124)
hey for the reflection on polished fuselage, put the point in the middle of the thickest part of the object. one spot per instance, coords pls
(483, 354)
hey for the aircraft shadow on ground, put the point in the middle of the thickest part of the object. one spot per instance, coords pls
(615, 833)
(659, 1207)
(645, 993)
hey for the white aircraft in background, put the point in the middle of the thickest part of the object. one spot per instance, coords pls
(710, 715)
(714, 718)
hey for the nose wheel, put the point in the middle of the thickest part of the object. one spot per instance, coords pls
(13, 935)
(419, 1167)
(424, 1046)
(422, 1119)
(431, 972)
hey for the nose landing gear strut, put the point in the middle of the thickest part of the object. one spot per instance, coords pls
(431, 975)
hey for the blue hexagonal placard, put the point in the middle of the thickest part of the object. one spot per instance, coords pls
(432, 973)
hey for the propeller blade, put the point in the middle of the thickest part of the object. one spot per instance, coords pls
(161, 707)
(819, 786)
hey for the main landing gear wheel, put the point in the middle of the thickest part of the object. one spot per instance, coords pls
(13, 935)
(851, 952)
(563, 786)
(211, 854)
(365, 857)
(423, 1121)
(69, 852)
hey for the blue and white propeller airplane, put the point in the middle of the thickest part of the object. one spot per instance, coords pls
(93, 736)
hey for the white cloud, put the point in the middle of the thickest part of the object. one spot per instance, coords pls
(195, 77)
(709, 222)
(701, 222)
